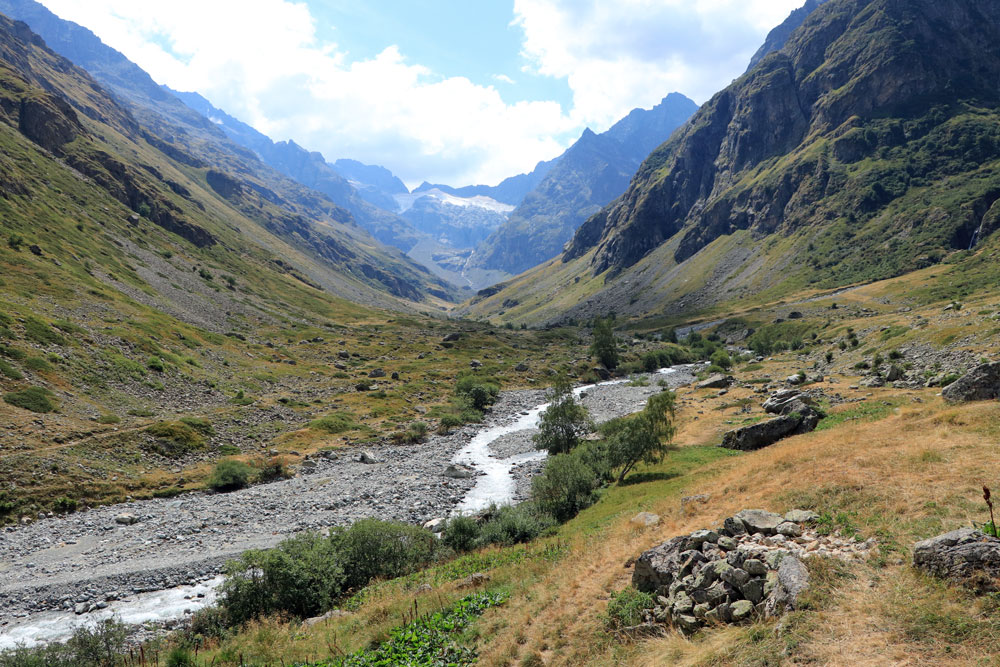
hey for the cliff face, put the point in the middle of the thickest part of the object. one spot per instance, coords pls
(786, 145)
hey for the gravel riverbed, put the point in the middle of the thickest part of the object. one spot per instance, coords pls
(90, 558)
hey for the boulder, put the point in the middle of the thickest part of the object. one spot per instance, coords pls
(792, 581)
(368, 458)
(474, 580)
(965, 555)
(802, 516)
(787, 401)
(656, 568)
(475, 363)
(522, 367)
(602, 373)
(452, 337)
(796, 379)
(645, 519)
(979, 384)
(717, 381)
(126, 519)
(377, 373)
(457, 471)
(764, 434)
(333, 613)
(760, 521)
(436, 525)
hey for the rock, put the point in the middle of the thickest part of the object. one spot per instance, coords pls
(645, 519)
(656, 568)
(741, 610)
(474, 580)
(895, 374)
(436, 525)
(458, 471)
(793, 579)
(682, 603)
(394, 376)
(699, 499)
(344, 354)
(760, 521)
(717, 381)
(784, 402)
(377, 373)
(728, 543)
(687, 624)
(802, 516)
(368, 458)
(789, 529)
(522, 367)
(765, 434)
(126, 519)
(333, 613)
(980, 384)
(699, 537)
(602, 373)
(873, 381)
(452, 337)
(81, 608)
(734, 526)
(755, 567)
(796, 379)
(967, 556)
(475, 363)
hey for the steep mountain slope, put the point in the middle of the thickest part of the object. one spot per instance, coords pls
(509, 191)
(594, 171)
(176, 128)
(777, 38)
(867, 147)
(374, 183)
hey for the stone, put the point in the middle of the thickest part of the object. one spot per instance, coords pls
(755, 567)
(796, 379)
(789, 529)
(895, 374)
(475, 363)
(657, 567)
(966, 556)
(699, 537)
(764, 434)
(458, 471)
(753, 590)
(682, 603)
(645, 519)
(368, 458)
(734, 576)
(741, 610)
(333, 613)
(802, 516)
(793, 580)
(452, 337)
(717, 381)
(81, 608)
(734, 527)
(377, 373)
(473, 580)
(728, 543)
(436, 525)
(701, 610)
(344, 354)
(687, 624)
(980, 384)
(126, 519)
(760, 521)
(699, 499)
(522, 367)
(873, 381)
(602, 373)
(777, 402)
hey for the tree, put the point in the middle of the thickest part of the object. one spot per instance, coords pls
(644, 438)
(564, 422)
(604, 346)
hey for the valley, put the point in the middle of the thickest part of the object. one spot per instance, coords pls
(718, 385)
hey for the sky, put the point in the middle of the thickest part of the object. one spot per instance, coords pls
(449, 91)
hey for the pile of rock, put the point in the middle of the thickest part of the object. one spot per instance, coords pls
(796, 415)
(748, 568)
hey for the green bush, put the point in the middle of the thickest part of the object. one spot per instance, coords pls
(604, 346)
(564, 422)
(566, 486)
(302, 576)
(100, 646)
(477, 391)
(35, 399)
(181, 657)
(156, 364)
(42, 333)
(9, 371)
(175, 439)
(643, 438)
(230, 475)
(461, 533)
(448, 422)
(12, 353)
(514, 524)
(372, 549)
(625, 609)
(721, 359)
(37, 364)
(334, 424)
(65, 505)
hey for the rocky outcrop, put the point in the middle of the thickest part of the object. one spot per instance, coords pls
(49, 121)
(748, 568)
(964, 556)
(980, 384)
(717, 381)
(796, 416)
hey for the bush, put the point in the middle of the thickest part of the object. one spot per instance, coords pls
(478, 392)
(35, 399)
(109, 419)
(514, 524)
(643, 438)
(42, 333)
(9, 371)
(448, 422)
(625, 609)
(156, 364)
(230, 475)
(273, 470)
(180, 657)
(302, 576)
(65, 505)
(566, 486)
(372, 549)
(37, 364)
(175, 439)
(461, 533)
(334, 424)
(564, 422)
(604, 346)
(721, 359)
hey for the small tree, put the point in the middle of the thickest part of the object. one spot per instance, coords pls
(604, 346)
(644, 438)
(564, 422)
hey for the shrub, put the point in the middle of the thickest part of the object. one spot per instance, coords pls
(65, 505)
(721, 359)
(333, 424)
(180, 657)
(12, 353)
(302, 576)
(448, 422)
(156, 364)
(42, 333)
(35, 399)
(272, 470)
(478, 392)
(461, 533)
(230, 475)
(514, 524)
(9, 371)
(37, 364)
(175, 439)
(566, 486)
(643, 438)
(564, 422)
(625, 609)
(372, 549)
(109, 419)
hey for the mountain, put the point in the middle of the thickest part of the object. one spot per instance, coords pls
(308, 219)
(777, 38)
(593, 172)
(374, 183)
(868, 146)
(510, 191)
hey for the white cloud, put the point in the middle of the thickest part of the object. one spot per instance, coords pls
(262, 62)
(625, 54)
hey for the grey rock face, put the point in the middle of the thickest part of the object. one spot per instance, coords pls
(760, 521)
(657, 567)
(980, 384)
(963, 555)
(717, 381)
(793, 580)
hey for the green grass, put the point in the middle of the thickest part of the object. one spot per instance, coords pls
(175, 439)
(9, 371)
(867, 411)
(35, 399)
(334, 424)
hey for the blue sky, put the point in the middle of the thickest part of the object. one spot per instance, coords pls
(441, 90)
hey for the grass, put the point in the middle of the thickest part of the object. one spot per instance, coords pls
(866, 411)
(33, 399)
